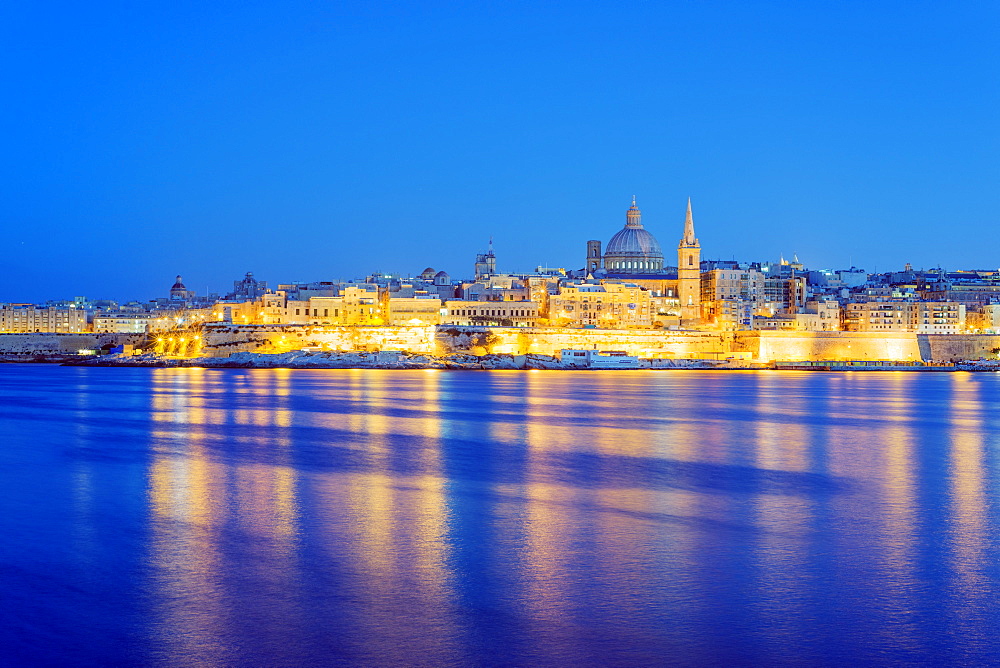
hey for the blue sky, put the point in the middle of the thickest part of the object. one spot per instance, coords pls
(318, 141)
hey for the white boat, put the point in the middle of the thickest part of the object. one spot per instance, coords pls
(598, 359)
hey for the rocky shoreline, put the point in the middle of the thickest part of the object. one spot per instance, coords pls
(354, 360)
(40, 358)
(301, 359)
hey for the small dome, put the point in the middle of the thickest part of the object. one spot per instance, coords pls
(178, 285)
(442, 274)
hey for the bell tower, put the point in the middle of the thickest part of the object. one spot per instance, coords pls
(593, 256)
(689, 271)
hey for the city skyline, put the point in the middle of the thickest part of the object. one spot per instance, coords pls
(469, 271)
(304, 142)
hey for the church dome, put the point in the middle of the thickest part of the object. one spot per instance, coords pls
(178, 291)
(633, 250)
(634, 241)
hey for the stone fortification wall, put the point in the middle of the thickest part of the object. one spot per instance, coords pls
(223, 340)
(896, 346)
(955, 347)
(60, 344)
(550, 340)
(797, 346)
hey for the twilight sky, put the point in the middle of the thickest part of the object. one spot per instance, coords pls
(326, 140)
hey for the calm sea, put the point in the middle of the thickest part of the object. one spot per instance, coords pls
(314, 517)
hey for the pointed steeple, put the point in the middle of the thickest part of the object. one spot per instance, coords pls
(689, 238)
(689, 271)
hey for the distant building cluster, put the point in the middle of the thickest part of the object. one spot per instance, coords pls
(627, 284)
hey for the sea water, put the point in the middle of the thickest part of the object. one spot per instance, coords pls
(371, 517)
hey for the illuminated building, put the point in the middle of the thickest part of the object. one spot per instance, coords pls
(416, 310)
(273, 307)
(785, 295)
(540, 288)
(361, 304)
(21, 318)
(740, 297)
(905, 316)
(814, 316)
(500, 288)
(819, 316)
(730, 298)
(983, 319)
(605, 306)
(123, 323)
(490, 313)
(665, 310)
(238, 313)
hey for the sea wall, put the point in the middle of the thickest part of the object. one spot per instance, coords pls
(223, 340)
(59, 344)
(954, 347)
(896, 346)
(796, 346)
(550, 340)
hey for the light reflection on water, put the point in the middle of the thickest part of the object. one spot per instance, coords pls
(277, 517)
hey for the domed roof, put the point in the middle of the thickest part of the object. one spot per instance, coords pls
(634, 242)
(178, 285)
(442, 274)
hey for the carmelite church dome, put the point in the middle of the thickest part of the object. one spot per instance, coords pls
(633, 250)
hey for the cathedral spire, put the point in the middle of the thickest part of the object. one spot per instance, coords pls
(689, 238)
